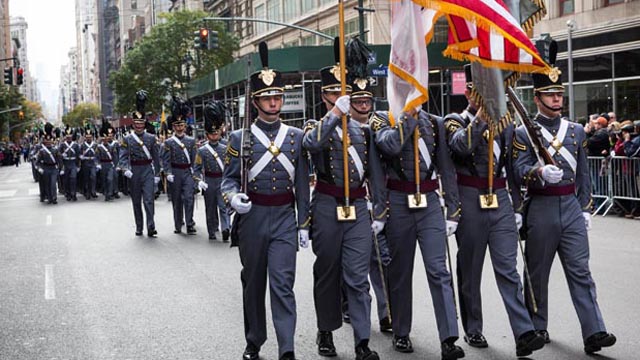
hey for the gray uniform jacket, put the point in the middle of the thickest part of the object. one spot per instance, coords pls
(173, 153)
(132, 151)
(70, 153)
(206, 164)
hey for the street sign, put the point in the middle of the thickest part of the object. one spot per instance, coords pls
(293, 102)
(458, 82)
(380, 71)
(373, 81)
(373, 58)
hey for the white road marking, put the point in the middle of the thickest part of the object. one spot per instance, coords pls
(34, 191)
(12, 181)
(7, 193)
(49, 284)
(49, 218)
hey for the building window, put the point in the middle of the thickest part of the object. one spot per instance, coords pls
(293, 43)
(566, 7)
(308, 40)
(273, 12)
(308, 5)
(260, 27)
(291, 9)
(325, 2)
(612, 2)
(134, 4)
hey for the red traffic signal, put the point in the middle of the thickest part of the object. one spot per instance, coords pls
(19, 76)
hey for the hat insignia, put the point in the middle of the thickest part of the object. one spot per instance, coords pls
(267, 76)
(361, 83)
(335, 70)
(554, 74)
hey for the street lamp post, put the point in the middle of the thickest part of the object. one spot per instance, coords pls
(570, 27)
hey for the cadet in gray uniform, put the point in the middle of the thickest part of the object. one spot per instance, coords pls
(558, 213)
(70, 151)
(480, 227)
(410, 222)
(140, 162)
(209, 167)
(178, 153)
(265, 226)
(89, 164)
(114, 148)
(342, 248)
(48, 162)
(104, 158)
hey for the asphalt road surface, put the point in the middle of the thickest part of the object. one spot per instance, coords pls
(75, 283)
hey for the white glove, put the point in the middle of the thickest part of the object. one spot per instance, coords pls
(241, 207)
(344, 103)
(377, 226)
(551, 174)
(41, 171)
(99, 167)
(170, 178)
(61, 172)
(82, 157)
(128, 174)
(518, 221)
(451, 227)
(587, 219)
(156, 179)
(303, 238)
(203, 185)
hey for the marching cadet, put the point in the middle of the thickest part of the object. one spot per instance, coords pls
(487, 222)
(114, 147)
(140, 162)
(415, 153)
(89, 165)
(265, 226)
(104, 158)
(35, 147)
(209, 167)
(48, 163)
(178, 153)
(558, 213)
(361, 108)
(70, 151)
(342, 244)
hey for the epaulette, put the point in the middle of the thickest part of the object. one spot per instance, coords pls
(198, 159)
(518, 146)
(309, 125)
(376, 123)
(453, 122)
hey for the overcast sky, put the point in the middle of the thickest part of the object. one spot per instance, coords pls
(50, 35)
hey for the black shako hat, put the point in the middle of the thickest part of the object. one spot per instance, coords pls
(214, 112)
(357, 62)
(330, 75)
(266, 82)
(553, 81)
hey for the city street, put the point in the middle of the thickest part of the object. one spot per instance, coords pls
(77, 284)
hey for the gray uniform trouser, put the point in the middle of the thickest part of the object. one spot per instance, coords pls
(213, 202)
(70, 177)
(495, 229)
(142, 193)
(427, 227)
(106, 173)
(268, 245)
(88, 177)
(376, 279)
(49, 180)
(555, 224)
(342, 249)
(182, 197)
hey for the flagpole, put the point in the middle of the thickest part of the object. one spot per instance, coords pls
(346, 211)
(489, 198)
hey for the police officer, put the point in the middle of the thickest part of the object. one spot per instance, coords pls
(487, 222)
(342, 247)
(89, 164)
(209, 167)
(140, 162)
(48, 162)
(70, 152)
(178, 153)
(265, 225)
(104, 159)
(558, 213)
(416, 216)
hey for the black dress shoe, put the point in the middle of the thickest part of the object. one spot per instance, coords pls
(325, 344)
(212, 237)
(289, 355)
(225, 235)
(545, 335)
(385, 325)
(116, 196)
(528, 343)
(451, 351)
(177, 231)
(54, 201)
(191, 230)
(74, 198)
(476, 340)
(402, 344)
(152, 232)
(251, 352)
(597, 341)
(364, 353)
(139, 233)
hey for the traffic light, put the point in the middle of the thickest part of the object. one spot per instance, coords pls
(8, 76)
(21, 115)
(19, 76)
(213, 40)
(201, 40)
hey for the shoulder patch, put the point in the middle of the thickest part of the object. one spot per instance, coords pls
(518, 146)
(231, 151)
(198, 159)
(584, 144)
(309, 125)
(376, 123)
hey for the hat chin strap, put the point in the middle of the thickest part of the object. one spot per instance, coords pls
(327, 100)
(265, 111)
(549, 107)
(360, 112)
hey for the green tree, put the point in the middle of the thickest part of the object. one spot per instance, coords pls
(10, 97)
(81, 113)
(157, 62)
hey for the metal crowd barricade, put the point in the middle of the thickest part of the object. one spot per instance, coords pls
(624, 175)
(600, 174)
